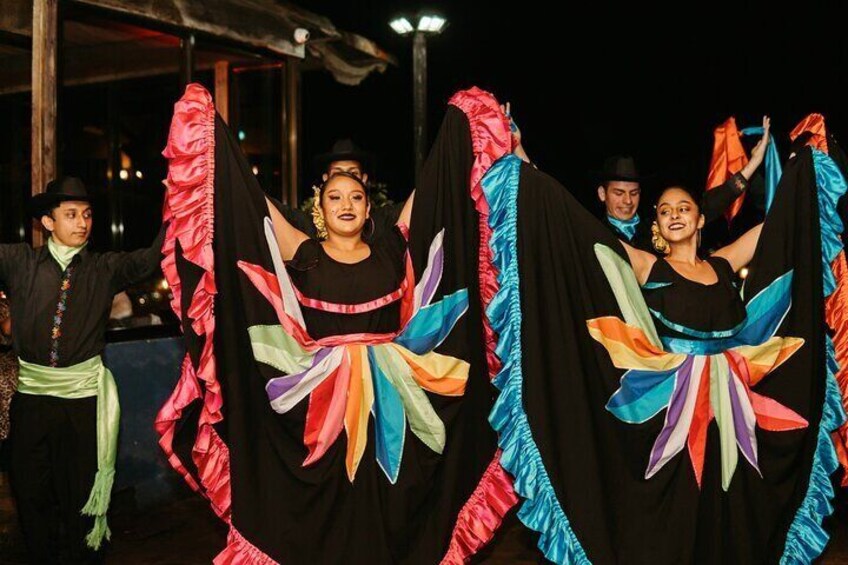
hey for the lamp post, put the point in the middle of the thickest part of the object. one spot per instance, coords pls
(426, 24)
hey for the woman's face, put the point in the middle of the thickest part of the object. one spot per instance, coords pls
(678, 216)
(345, 206)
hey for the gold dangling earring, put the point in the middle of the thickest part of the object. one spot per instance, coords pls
(699, 238)
(318, 214)
(657, 241)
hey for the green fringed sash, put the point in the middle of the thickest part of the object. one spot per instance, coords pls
(84, 380)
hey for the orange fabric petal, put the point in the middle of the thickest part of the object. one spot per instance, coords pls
(614, 329)
(436, 373)
(359, 400)
(629, 347)
(764, 358)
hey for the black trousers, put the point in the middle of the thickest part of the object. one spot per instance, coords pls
(53, 445)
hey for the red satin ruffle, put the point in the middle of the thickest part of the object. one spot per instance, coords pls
(189, 209)
(482, 514)
(239, 551)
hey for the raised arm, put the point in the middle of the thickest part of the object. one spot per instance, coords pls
(641, 261)
(297, 218)
(740, 252)
(406, 214)
(758, 153)
(718, 199)
(288, 237)
(131, 267)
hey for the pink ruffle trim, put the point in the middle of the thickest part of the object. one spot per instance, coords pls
(189, 208)
(491, 139)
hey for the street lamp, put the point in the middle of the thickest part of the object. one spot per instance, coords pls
(426, 24)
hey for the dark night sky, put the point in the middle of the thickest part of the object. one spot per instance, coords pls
(652, 84)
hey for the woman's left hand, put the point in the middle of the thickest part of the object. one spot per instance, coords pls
(516, 134)
(758, 153)
(513, 127)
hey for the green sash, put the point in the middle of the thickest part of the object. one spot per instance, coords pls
(84, 380)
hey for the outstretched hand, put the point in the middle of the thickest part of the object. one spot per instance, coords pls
(516, 134)
(758, 153)
(513, 127)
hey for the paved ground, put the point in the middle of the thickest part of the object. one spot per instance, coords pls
(189, 534)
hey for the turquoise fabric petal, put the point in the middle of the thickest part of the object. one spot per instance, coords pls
(389, 420)
(432, 324)
(642, 395)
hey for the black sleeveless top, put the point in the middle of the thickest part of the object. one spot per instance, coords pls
(351, 289)
(688, 309)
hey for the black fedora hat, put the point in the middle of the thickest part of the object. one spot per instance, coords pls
(59, 190)
(621, 168)
(343, 150)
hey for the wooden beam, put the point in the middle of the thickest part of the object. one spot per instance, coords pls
(45, 34)
(96, 64)
(18, 40)
(222, 89)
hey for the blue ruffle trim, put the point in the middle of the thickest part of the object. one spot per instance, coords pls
(807, 538)
(540, 510)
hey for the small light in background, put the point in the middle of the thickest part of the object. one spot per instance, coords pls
(401, 26)
(255, 170)
(241, 135)
(163, 284)
(124, 174)
(301, 35)
(431, 23)
(138, 175)
(142, 301)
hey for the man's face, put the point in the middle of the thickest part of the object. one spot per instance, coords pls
(351, 167)
(621, 198)
(69, 223)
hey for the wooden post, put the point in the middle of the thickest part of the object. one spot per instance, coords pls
(222, 89)
(45, 34)
(291, 131)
